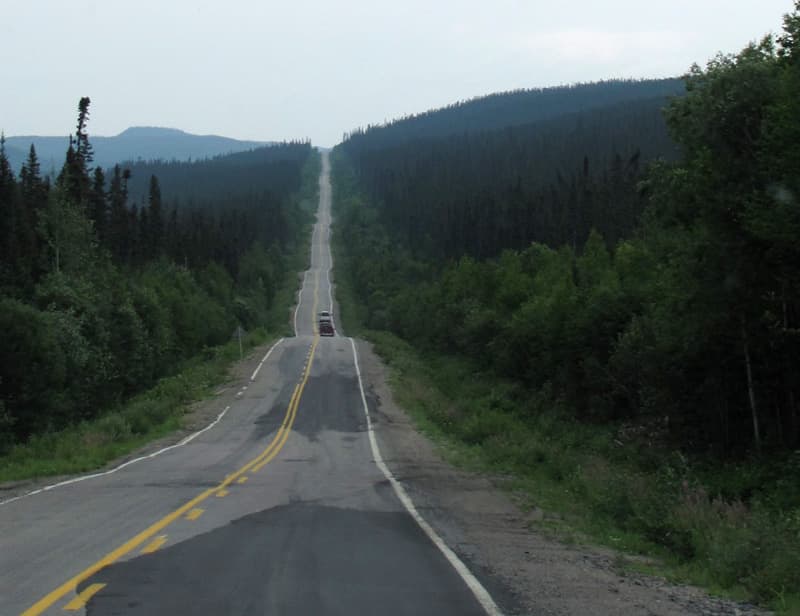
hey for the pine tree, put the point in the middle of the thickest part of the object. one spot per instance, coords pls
(34, 193)
(7, 209)
(34, 188)
(83, 147)
(155, 219)
(74, 176)
(98, 205)
(119, 221)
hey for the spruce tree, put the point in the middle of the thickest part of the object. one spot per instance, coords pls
(7, 207)
(74, 177)
(119, 222)
(83, 147)
(34, 193)
(98, 205)
(155, 219)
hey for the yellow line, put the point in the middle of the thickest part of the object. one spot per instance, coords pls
(269, 458)
(222, 492)
(194, 514)
(154, 544)
(292, 409)
(241, 480)
(83, 597)
(263, 458)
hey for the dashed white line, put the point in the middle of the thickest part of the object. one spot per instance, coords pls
(300, 299)
(261, 363)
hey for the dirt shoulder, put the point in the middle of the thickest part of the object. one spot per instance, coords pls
(526, 571)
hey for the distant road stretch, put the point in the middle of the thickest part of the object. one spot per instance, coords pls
(282, 507)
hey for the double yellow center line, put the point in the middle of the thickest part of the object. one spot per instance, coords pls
(254, 465)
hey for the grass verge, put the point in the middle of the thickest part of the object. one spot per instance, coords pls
(147, 416)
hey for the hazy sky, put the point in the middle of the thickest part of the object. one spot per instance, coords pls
(307, 68)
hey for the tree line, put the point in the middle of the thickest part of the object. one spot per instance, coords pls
(588, 259)
(515, 108)
(101, 293)
(482, 192)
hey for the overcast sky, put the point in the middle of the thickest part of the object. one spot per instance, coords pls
(269, 70)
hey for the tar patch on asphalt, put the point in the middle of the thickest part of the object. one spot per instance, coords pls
(295, 559)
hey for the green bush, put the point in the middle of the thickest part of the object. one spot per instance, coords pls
(114, 426)
(477, 427)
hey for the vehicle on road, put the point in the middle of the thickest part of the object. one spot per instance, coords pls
(325, 315)
(326, 328)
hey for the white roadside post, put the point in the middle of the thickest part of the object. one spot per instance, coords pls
(238, 335)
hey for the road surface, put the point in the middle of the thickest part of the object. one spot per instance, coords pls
(283, 506)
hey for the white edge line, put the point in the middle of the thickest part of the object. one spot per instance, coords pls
(188, 439)
(184, 441)
(481, 594)
(261, 363)
(300, 298)
(328, 276)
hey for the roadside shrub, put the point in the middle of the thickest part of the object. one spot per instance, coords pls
(33, 366)
(114, 427)
(145, 414)
(741, 545)
(479, 426)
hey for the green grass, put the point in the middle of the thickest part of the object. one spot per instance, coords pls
(145, 417)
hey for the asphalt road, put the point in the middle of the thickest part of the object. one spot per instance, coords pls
(282, 507)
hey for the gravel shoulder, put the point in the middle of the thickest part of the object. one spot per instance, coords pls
(527, 571)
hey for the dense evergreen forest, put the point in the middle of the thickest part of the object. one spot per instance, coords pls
(102, 293)
(512, 109)
(478, 193)
(625, 263)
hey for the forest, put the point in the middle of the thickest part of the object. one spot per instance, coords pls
(505, 109)
(109, 278)
(608, 301)
(479, 193)
(605, 256)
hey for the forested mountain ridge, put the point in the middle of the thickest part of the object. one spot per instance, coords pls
(551, 181)
(579, 188)
(16, 154)
(100, 297)
(513, 108)
(135, 143)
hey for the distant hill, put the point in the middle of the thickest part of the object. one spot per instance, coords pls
(505, 170)
(515, 108)
(135, 143)
(15, 155)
